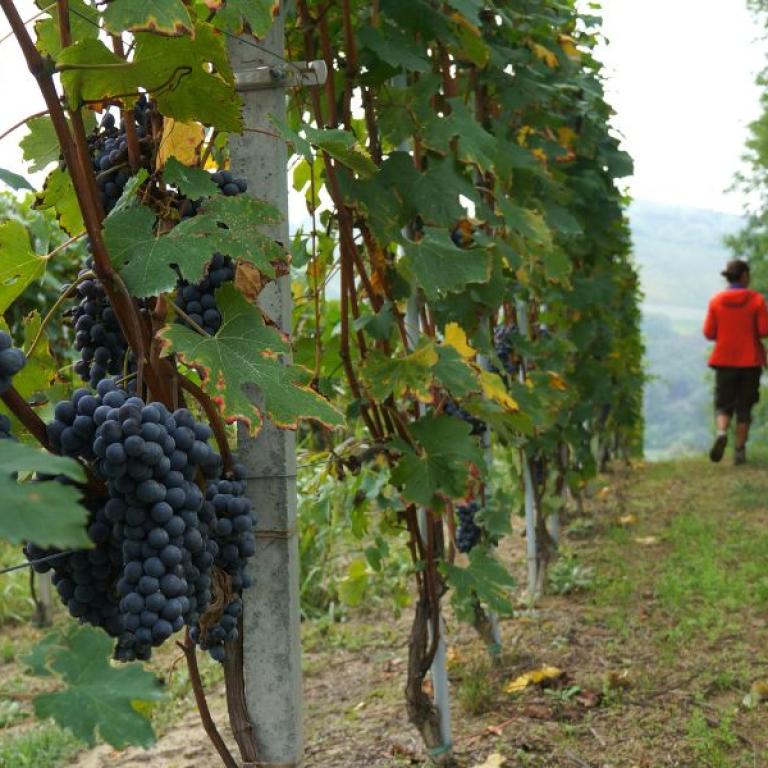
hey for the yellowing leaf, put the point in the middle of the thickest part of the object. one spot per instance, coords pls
(539, 154)
(180, 140)
(544, 54)
(604, 492)
(492, 761)
(456, 338)
(566, 136)
(627, 520)
(534, 677)
(556, 381)
(523, 134)
(494, 389)
(569, 48)
(646, 541)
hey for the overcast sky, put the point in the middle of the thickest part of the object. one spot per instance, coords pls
(681, 78)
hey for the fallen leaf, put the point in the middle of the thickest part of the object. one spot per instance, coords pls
(534, 677)
(627, 520)
(618, 680)
(588, 699)
(492, 761)
(538, 712)
(758, 693)
(646, 540)
(604, 492)
(453, 657)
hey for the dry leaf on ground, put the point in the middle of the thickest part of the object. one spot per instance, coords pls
(492, 761)
(534, 677)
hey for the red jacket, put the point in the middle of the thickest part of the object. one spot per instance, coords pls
(737, 319)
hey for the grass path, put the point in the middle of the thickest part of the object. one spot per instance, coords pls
(660, 640)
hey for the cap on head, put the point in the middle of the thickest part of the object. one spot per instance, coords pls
(735, 270)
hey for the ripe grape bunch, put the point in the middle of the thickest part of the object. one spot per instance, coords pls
(156, 537)
(198, 300)
(503, 342)
(469, 533)
(109, 152)
(98, 336)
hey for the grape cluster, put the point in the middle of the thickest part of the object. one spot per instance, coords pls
(12, 360)
(198, 300)
(109, 152)
(503, 343)
(226, 182)
(159, 542)
(451, 408)
(228, 511)
(469, 533)
(98, 335)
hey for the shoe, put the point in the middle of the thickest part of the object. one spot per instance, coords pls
(718, 448)
(740, 455)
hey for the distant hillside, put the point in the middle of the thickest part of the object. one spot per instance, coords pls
(680, 253)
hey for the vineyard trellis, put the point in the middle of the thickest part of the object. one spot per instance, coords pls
(464, 294)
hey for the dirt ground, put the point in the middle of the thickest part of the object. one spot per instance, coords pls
(658, 649)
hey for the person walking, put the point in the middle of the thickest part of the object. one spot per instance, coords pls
(737, 320)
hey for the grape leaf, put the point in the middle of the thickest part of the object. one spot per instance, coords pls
(14, 180)
(441, 267)
(165, 17)
(19, 265)
(238, 16)
(90, 72)
(59, 194)
(395, 48)
(184, 89)
(241, 369)
(37, 658)
(20, 457)
(145, 260)
(341, 145)
(36, 377)
(192, 182)
(443, 465)
(83, 22)
(475, 144)
(455, 374)
(40, 146)
(46, 512)
(413, 372)
(484, 577)
(182, 141)
(98, 698)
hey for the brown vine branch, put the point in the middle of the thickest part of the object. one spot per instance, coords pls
(90, 205)
(131, 137)
(188, 647)
(214, 416)
(242, 728)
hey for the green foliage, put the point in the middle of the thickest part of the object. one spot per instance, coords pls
(98, 698)
(241, 369)
(53, 514)
(45, 746)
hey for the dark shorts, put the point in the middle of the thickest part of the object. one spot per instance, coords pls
(736, 391)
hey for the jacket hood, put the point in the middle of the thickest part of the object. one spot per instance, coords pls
(736, 297)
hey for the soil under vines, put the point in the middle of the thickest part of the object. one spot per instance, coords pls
(658, 648)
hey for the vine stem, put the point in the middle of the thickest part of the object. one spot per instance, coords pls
(90, 207)
(23, 121)
(24, 413)
(131, 137)
(190, 654)
(181, 313)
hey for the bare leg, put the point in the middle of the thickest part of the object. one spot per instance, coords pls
(723, 421)
(742, 432)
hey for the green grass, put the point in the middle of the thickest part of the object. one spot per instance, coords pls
(46, 746)
(15, 602)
